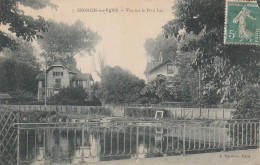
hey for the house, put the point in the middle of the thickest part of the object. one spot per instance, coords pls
(58, 76)
(166, 68)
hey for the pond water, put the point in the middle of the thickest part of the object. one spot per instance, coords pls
(54, 145)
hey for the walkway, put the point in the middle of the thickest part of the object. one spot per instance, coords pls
(242, 157)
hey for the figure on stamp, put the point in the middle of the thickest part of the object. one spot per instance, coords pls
(244, 33)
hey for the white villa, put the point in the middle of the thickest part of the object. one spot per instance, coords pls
(58, 76)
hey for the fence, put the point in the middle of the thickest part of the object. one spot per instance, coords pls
(8, 136)
(181, 105)
(184, 113)
(88, 142)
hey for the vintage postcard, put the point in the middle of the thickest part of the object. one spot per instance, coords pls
(129, 82)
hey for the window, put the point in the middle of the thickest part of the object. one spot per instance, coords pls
(170, 68)
(57, 73)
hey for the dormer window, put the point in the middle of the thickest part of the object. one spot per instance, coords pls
(57, 73)
(169, 68)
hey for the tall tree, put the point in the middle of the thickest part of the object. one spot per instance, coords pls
(99, 64)
(19, 68)
(158, 90)
(161, 46)
(225, 67)
(119, 86)
(183, 87)
(63, 41)
(22, 25)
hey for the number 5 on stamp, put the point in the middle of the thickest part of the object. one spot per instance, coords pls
(242, 22)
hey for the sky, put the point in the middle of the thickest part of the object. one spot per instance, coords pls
(123, 32)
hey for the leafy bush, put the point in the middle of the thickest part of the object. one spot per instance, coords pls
(119, 86)
(70, 96)
(21, 97)
(248, 106)
(36, 116)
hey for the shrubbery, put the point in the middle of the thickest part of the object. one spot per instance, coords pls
(36, 116)
(248, 106)
(21, 97)
(71, 96)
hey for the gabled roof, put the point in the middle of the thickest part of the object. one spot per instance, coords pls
(160, 65)
(77, 75)
(149, 66)
(70, 70)
(40, 76)
(82, 76)
(56, 65)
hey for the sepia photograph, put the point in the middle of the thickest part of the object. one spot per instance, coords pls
(129, 82)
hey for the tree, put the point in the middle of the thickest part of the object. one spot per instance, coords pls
(248, 106)
(166, 47)
(158, 90)
(184, 86)
(22, 96)
(17, 76)
(62, 42)
(226, 68)
(22, 25)
(19, 68)
(71, 96)
(99, 64)
(119, 86)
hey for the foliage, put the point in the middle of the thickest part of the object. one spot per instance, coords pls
(158, 89)
(188, 79)
(71, 96)
(167, 47)
(119, 86)
(248, 106)
(63, 41)
(98, 64)
(19, 68)
(226, 68)
(21, 96)
(36, 116)
(22, 25)
(183, 87)
(24, 53)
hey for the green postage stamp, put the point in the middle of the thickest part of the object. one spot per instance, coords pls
(242, 22)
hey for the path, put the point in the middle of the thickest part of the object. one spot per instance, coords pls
(242, 157)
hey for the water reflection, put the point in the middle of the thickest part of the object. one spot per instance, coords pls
(54, 145)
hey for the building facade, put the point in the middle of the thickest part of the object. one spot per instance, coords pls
(58, 76)
(166, 68)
